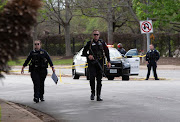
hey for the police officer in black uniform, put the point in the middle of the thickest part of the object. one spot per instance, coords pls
(38, 67)
(121, 49)
(96, 48)
(152, 56)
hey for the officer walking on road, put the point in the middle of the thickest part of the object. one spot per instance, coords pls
(38, 67)
(152, 56)
(121, 49)
(95, 58)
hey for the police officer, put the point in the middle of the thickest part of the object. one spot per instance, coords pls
(38, 67)
(96, 48)
(152, 56)
(121, 49)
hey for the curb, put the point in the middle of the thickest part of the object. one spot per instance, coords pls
(12, 112)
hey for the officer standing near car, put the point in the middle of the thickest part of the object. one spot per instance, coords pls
(38, 67)
(95, 58)
(152, 56)
(121, 49)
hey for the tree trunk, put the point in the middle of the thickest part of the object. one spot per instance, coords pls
(110, 32)
(110, 23)
(67, 29)
(67, 39)
(35, 34)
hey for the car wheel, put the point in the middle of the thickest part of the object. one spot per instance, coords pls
(125, 77)
(110, 77)
(74, 75)
(87, 74)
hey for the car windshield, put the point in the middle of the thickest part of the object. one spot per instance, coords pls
(132, 53)
(114, 53)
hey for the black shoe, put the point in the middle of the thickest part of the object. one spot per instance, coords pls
(146, 79)
(99, 98)
(36, 100)
(42, 99)
(157, 79)
(92, 97)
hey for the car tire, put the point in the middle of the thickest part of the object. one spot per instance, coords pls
(74, 75)
(125, 77)
(110, 77)
(87, 74)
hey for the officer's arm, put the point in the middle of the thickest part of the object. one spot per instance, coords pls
(49, 59)
(124, 51)
(147, 56)
(157, 56)
(106, 50)
(27, 60)
(86, 48)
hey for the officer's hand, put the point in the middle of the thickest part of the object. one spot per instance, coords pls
(91, 57)
(53, 69)
(109, 65)
(22, 70)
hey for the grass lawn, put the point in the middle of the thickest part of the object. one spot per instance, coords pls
(56, 61)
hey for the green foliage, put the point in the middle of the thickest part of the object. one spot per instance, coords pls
(163, 11)
(2, 4)
(85, 25)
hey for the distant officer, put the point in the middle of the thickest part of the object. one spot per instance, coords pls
(152, 56)
(96, 48)
(121, 49)
(38, 67)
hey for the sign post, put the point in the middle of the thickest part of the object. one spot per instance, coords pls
(146, 28)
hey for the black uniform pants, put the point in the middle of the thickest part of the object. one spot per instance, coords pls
(38, 78)
(154, 66)
(95, 72)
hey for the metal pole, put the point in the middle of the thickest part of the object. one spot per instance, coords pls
(148, 34)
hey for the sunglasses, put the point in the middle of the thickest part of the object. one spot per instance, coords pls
(36, 44)
(96, 34)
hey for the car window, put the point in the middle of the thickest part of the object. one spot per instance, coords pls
(132, 53)
(114, 53)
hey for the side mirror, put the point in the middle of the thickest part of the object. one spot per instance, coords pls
(75, 53)
(122, 55)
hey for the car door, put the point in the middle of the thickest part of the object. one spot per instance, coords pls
(134, 60)
(80, 63)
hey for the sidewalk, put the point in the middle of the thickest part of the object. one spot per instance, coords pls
(10, 112)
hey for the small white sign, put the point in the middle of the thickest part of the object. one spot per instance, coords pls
(146, 26)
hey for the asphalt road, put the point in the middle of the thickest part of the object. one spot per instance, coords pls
(124, 101)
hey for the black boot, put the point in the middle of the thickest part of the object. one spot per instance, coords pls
(36, 100)
(99, 98)
(92, 96)
(99, 94)
(42, 99)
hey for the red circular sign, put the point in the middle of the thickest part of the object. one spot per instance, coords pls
(146, 26)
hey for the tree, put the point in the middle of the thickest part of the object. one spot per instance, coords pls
(61, 12)
(165, 13)
(16, 20)
(113, 11)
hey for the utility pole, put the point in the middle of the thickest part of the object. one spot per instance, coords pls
(148, 34)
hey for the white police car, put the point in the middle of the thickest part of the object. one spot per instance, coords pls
(120, 66)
